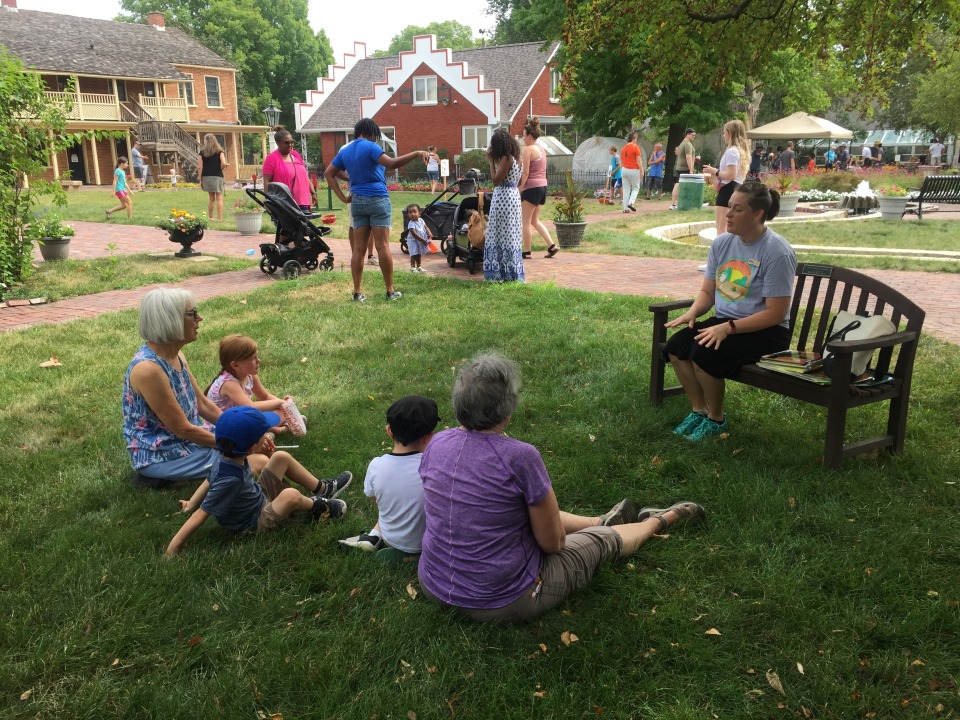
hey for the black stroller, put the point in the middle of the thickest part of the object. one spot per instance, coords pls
(301, 242)
(447, 221)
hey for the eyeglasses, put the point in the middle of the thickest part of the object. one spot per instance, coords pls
(193, 314)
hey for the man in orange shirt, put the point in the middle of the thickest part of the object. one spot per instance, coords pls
(631, 160)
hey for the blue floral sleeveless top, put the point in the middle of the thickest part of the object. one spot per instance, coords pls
(149, 441)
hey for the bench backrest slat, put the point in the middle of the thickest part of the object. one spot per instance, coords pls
(822, 290)
(936, 187)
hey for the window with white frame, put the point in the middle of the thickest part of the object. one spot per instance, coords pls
(554, 85)
(425, 90)
(212, 85)
(476, 138)
(186, 92)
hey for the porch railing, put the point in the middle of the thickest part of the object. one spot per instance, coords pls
(88, 106)
(168, 109)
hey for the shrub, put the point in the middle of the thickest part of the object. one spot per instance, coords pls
(475, 159)
(840, 182)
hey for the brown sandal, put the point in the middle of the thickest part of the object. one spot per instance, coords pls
(552, 250)
(689, 511)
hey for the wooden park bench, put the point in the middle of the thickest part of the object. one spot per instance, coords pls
(821, 291)
(936, 188)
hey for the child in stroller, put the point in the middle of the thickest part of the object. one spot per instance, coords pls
(447, 220)
(298, 241)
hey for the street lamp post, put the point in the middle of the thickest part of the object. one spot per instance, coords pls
(272, 114)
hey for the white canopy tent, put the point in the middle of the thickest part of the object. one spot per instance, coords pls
(592, 157)
(800, 125)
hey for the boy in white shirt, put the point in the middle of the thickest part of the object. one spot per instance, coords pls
(393, 482)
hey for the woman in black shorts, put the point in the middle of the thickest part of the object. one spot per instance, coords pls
(533, 188)
(732, 171)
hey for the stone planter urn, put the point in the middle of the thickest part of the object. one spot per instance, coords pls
(54, 248)
(569, 234)
(788, 205)
(186, 239)
(891, 208)
(248, 223)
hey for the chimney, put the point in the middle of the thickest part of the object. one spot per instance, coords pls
(155, 18)
(9, 4)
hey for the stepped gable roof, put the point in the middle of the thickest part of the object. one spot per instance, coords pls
(510, 68)
(68, 45)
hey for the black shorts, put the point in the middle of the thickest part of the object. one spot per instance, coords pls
(138, 172)
(734, 352)
(725, 193)
(535, 196)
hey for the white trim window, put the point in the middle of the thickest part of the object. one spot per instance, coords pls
(212, 86)
(554, 85)
(425, 90)
(476, 137)
(186, 91)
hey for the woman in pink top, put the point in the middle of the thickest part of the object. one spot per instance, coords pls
(284, 165)
(533, 188)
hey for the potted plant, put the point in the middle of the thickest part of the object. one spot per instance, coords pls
(568, 212)
(892, 200)
(184, 228)
(51, 235)
(785, 184)
(249, 216)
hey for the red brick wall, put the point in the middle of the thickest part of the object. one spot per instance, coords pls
(228, 95)
(540, 93)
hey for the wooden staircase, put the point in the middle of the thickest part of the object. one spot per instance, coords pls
(175, 146)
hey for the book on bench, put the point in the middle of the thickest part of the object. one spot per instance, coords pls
(792, 361)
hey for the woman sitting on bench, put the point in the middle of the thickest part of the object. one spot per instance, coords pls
(749, 280)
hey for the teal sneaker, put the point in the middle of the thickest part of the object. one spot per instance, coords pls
(690, 423)
(707, 429)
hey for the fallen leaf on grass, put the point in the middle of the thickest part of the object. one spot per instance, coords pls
(754, 694)
(192, 642)
(568, 638)
(54, 361)
(592, 437)
(354, 592)
(775, 683)
(216, 607)
(411, 591)
(543, 647)
(303, 359)
(736, 452)
(25, 695)
(116, 661)
(918, 661)
(800, 668)
(243, 302)
(712, 631)
(276, 716)
(792, 502)
(411, 714)
(806, 712)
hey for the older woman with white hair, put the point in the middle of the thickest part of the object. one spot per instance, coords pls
(162, 403)
(497, 546)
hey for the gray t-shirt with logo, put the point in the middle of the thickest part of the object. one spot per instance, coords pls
(748, 273)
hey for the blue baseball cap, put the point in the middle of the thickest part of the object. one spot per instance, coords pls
(241, 427)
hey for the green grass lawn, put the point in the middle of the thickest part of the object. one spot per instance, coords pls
(845, 584)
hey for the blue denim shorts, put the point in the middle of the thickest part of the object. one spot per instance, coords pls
(372, 211)
(193, 467)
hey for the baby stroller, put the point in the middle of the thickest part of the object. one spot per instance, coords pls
(447, 221)
(301, 242)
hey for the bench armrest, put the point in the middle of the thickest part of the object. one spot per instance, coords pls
(661, 313)
(848, 347)
(671, 305)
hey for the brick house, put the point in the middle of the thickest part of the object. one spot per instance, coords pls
(453, 99)
(150, 82)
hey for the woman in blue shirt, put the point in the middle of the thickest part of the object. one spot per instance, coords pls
(365, 161)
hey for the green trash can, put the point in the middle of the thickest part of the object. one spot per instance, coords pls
(690, 195)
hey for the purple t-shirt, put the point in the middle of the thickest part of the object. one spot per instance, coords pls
(478, 549)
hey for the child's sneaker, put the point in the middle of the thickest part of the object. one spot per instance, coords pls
(414, 270)
(690, 423)
(324, 509)
(707, 429)
(359, 297)
(371, 260)
(421, 270)
(367, 543)
(330, 488)
(395, 295)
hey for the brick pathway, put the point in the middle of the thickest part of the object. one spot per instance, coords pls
(937, 293)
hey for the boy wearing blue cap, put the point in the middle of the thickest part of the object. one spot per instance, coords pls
(393, 481)
(241, 503)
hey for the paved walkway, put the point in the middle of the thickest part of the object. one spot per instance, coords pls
(937, 293)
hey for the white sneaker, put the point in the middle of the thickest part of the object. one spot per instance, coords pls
(673, 207)
(421, 270)
(702, 268)
(395, 295)
(414, 270)
(372, 261)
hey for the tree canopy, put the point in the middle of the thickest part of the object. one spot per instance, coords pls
(277, 54)
(450, 34)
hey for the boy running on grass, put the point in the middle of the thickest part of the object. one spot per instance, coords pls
(239, 502)
(393, 481)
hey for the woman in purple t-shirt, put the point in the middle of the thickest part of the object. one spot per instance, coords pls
(497, 546)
